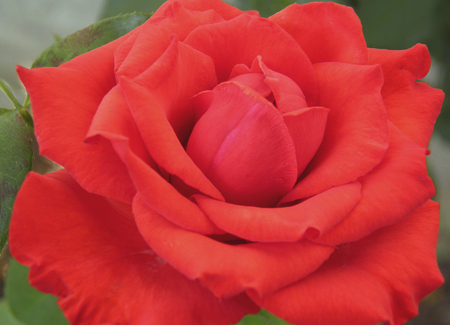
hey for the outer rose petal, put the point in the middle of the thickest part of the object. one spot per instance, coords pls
(91, 255)
(380, 278)
(228, 269)
(357, 134)
(327, 32)
(64, 101)
(242, 39)
(391, 191)
(225, 10)
(412, 106)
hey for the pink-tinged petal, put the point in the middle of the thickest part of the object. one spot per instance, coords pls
(241, 40)
(227, 269)
(179, 73)
(288, 95)
(94, 259)
(159, 194)
(357, 133)
(327, 32)
(381, 278)
(310, 218)
(64, 101)
(412, 106)
(307, 128)
(149, 111)
(392, 190)
(243, 146)
(156, 35)
(222, 8)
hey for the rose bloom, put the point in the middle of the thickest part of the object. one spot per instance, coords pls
(216, 163)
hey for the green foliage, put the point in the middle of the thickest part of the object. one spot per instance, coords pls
(116, 7)
(28, 305)
(15, 162)
(89, 38)
(262, 318)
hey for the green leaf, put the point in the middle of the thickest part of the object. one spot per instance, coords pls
(89, 38)
(26, 303)
(116, 7)
(6, 317)
(262, 318)
(15, 162)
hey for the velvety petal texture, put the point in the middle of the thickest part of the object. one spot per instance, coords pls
(216, 162)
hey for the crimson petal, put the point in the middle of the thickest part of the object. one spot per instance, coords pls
(309, 219)
(242, 39)
(357, 133)
(381, 278)
(391, 191)
(64, 101)
(412, 106)
(225, 269)
(86, 250)
(327, 32)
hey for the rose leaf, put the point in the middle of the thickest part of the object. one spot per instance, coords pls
(15, 162)
(263, 317)
(26, 303)
(89, 38)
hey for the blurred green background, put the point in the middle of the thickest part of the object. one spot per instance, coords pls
(27, 27)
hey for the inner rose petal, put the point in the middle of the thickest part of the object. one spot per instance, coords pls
(243, 146)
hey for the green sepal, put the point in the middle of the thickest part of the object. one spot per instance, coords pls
(89, 38)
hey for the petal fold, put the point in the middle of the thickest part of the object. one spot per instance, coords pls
(228, 269)
(308, 219)
(412, 106)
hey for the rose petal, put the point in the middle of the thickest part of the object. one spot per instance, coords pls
(312, 217)
(380, 278)
(180, 73)
(254, 81)
(327, 32)
(412, 106)
(243, 146)
(356, 135)
(288, 95)
(391, 191)
(306, 127)
(156, 35)
(150, 106)
(225, 10)
(114, 120)
(225, 269)
(64, 101)
(95, 260)
(159, 194)
(241, 40)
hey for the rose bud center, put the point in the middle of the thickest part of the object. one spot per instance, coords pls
(242, 144)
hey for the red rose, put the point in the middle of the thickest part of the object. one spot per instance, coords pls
(217, 162)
